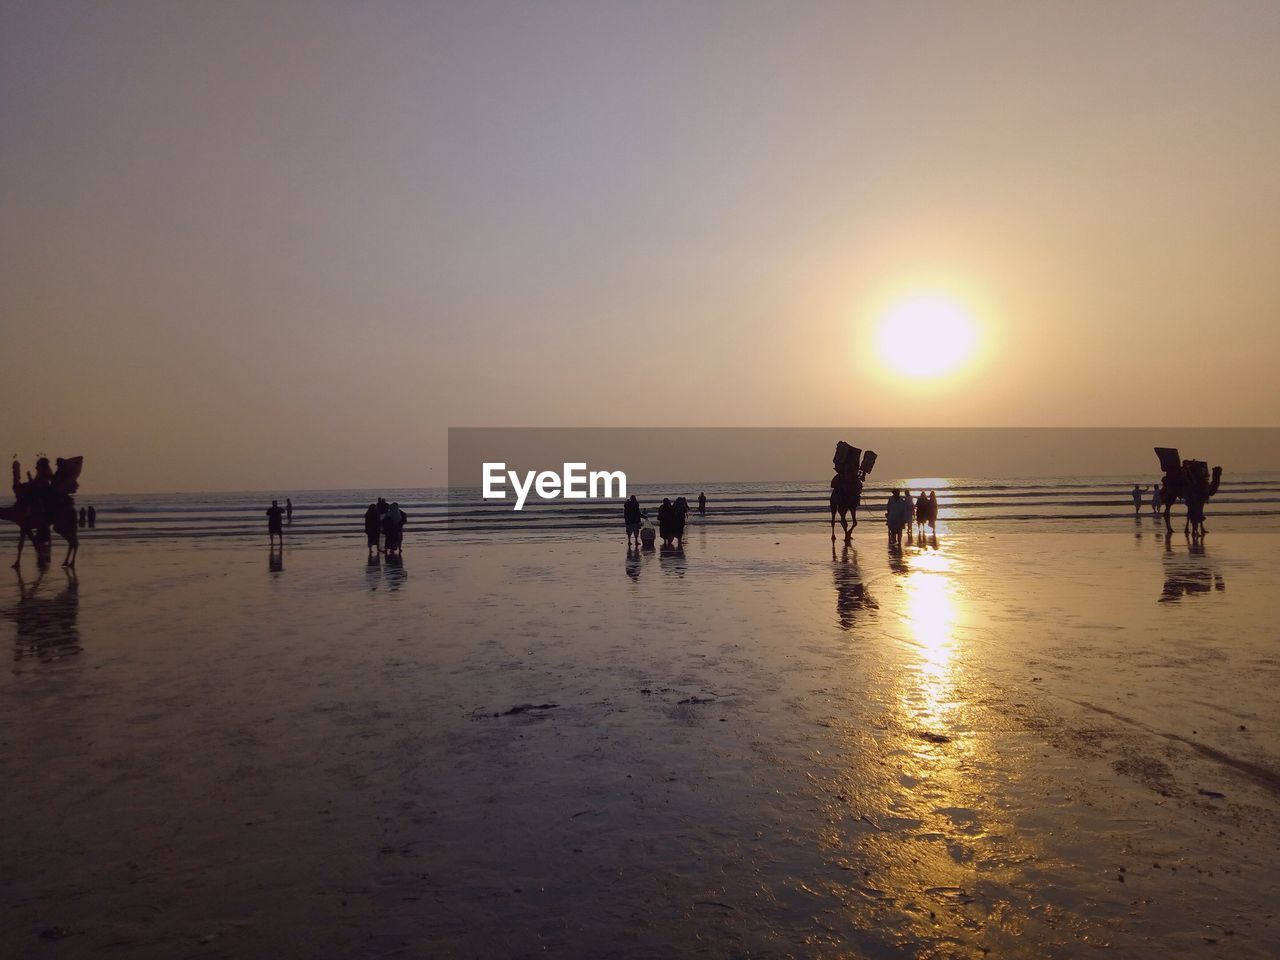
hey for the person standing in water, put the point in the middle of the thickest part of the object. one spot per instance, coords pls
(632, 517)
(702, 503)
(1137, 499)
(275, 523)
(93, 516)
(896, 513)
(288, 510)
(373, 529)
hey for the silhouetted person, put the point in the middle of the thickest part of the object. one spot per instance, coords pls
(1196, 499)
(93, 516)
(1137, 499)
(288, 509)
(933, 510)
(666, 521)
(702, 503)
(632, 517)
(922, 511)
(373, 529)
(681, 516)
(910, 509)
(896, 514)
(1156, 502)
(275, 522)
(393, 522)
(84, 516)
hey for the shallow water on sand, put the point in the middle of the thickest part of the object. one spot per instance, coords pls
(1027, 745)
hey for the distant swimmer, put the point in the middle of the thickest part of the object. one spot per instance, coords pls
(1137, 499)
(632, 517)
(275, 522)
(288, 509)
(373, 529)
(702, 503)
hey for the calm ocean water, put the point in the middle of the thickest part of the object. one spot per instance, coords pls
(1244, 502)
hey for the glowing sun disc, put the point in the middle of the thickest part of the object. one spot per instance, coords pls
(926, 336)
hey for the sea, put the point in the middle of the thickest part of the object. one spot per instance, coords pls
(1243, 503)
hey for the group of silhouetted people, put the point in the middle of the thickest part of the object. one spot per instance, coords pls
(672, 517)
(88, 517)
(902, 511)
(384, 528)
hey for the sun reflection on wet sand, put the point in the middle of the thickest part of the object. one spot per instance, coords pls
(931, 612)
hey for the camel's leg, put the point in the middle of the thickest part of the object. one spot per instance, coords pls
(22, 539)
(853, 515)
(1168, 524)
(833, 523)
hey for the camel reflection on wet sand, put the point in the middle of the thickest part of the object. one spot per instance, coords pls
(852, 596)
(47, 623)
(1188, 574)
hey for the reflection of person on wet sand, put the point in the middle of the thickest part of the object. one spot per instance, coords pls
(275, 558)
(633, 562)
(47, 627)
(1193, 574)
(851, 592)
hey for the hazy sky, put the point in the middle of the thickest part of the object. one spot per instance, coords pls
(285, 245)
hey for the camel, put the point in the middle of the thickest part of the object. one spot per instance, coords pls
(844, 500)
(846, 485)
(42, 502)
(1183, 477)
(34, 524)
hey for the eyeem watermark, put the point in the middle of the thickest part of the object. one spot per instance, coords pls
(575, 483)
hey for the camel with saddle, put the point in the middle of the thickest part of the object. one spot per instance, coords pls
(851, 466)
(44, 502)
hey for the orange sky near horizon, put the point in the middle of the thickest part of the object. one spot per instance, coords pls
(287, 245)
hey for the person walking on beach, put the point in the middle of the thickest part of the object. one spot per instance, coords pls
(373, 529)
(666, 521)
(275, 522)
(1137, 499)
(393, 522)
(681, 517)
(84, 517)
(93, 516)
(632, 517)
(933, 510)
(702, 503)
(910, 510)
(288, 510)
(922, 511)
(1156, 503)
(896, 513)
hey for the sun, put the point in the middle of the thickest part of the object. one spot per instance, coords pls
(926, 335)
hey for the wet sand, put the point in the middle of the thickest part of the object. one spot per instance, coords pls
(1025, 745)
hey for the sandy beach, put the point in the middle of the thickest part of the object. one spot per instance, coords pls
(1021, 746)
